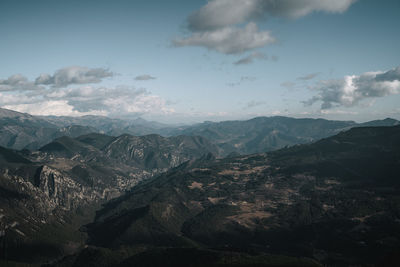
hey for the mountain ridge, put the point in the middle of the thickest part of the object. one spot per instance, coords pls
(321, 200)
(260, 134)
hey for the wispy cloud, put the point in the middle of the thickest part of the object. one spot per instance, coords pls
(288, 85)
(250, 58)
(308, 76)
(242, 79)
(253, 104)
(352, 89)
(144, 77)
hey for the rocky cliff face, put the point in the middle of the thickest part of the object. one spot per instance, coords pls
(154, 152)
(29, 204)
(48, 188)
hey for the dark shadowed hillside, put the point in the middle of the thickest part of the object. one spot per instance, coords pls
(335, 200)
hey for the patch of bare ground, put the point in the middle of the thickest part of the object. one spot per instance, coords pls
(215, 200)
(363, 218)
(235, 171)
(63, 164)
(199, 170)
(195, 185)
(332, 182)
(248, 219)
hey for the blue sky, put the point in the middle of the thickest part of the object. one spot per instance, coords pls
(174, 61)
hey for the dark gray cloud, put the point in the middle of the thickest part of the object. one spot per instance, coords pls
(389, 76)
(61, 78)
(144, 77)
(215, 25)
(73, 75)
(17, 82)
(228, 40)
(308, 76)
(350, 90)
(14, 80)
(250, 58)
(221, 13)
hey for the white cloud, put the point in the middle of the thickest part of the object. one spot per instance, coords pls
(53, 95)
(338, 112)
(118, 101)
(352, 89)
(229, 40)
(51, 107)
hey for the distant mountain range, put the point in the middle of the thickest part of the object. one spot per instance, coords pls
(320, 192)
(262, 134)
(21, 130)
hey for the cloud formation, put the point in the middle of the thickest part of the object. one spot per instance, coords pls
(213, 26)
(352, 89)
(250, 58)
(144, 77)
(17, 82)
(73, 75)
(61, 78)
(221, 13)
(116, 101)
(229, 40)
(54, 95)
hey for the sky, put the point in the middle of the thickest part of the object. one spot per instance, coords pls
(191, 61)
